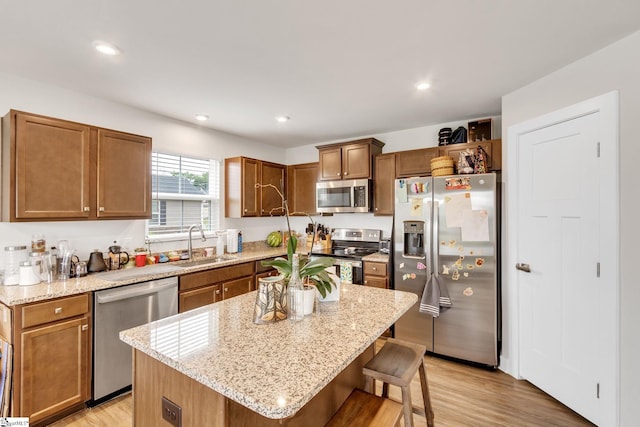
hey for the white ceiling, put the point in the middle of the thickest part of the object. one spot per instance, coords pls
(339, 68)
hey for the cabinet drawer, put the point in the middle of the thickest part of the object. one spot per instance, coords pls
(375, 268)
(215, 275)
(376, 282)
(51, 311)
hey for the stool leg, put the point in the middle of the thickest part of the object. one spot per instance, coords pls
(426, 398)
(407, 411)
(369, 384)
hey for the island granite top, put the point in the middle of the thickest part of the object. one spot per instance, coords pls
(272, 369)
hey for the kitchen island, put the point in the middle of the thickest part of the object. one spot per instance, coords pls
(222, 369)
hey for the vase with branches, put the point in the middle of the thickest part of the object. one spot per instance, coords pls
(312, 271)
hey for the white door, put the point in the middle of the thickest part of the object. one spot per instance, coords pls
(564, 304)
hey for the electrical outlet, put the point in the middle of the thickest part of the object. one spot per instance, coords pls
(171, 412)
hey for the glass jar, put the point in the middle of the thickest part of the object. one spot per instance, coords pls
(295, 292)
(13, 257)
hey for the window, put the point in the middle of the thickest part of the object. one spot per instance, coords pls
(185, 191)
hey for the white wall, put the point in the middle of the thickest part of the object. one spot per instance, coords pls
(169, 136)
(616, 67)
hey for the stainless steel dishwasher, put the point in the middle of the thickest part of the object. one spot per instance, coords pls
(118, 309)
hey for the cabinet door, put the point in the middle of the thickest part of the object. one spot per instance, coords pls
(55, 371)
(301, 188)
(330, 163)
(271, 202)
(199, 297)
(124, 175)
(250, 176)
(493, 148)
(356, 161)
(383, 184)
(52, 169)
(415, 162)
(237, 287)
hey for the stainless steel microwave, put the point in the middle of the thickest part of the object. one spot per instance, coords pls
(348, 195)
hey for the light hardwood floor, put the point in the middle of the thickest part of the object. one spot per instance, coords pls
(461, 395)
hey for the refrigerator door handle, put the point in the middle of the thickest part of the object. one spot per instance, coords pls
(435, 247)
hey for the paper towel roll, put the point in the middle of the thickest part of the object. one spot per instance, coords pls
(232, 240)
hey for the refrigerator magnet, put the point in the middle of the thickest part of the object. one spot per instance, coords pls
(421, 266)
(468, 292)
(465, 274)
(479, 262)
(455, 275)
(445, 269)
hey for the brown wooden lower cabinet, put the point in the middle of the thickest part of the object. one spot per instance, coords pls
(375, 274)
(52, 357)
(202, 406)
(188, 300)
(209, 286)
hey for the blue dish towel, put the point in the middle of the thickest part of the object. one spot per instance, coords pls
(435, 297)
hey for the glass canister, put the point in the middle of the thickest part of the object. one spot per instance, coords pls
(13, 257)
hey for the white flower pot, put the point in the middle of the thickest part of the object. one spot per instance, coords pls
(334, 295)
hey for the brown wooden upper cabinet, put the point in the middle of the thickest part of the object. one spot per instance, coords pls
(242, 198)
(60, 170)
(383, 184)
(492, 147)
(301, 188)
(415, 162)
(348, 160)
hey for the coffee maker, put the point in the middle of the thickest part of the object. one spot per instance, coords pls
(117, 257)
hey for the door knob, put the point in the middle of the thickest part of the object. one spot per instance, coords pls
(523, 267)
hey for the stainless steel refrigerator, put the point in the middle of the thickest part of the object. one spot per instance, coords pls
(449, 226)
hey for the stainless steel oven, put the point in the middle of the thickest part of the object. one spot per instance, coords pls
(348, 247)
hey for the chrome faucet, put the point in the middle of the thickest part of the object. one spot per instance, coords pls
(199, 227)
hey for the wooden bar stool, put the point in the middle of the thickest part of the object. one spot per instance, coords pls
(362, 409)
(396, 364)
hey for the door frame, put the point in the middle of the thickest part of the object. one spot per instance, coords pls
(607, 107)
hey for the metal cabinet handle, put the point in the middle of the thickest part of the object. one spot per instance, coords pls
(57, 310)
(523, 267)
(101, 209)
(87, 209)
(217, 291)
(226, 289)
(85, 327)
(374, 268)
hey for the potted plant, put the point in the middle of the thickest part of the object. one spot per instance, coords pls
(312, 271)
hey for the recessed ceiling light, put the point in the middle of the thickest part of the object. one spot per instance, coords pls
(106, 48)
(423, 86)
(202, 117)
(283, 119)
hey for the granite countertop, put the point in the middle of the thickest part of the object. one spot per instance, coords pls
(272, 369)
(16, 294)
(376, 257)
